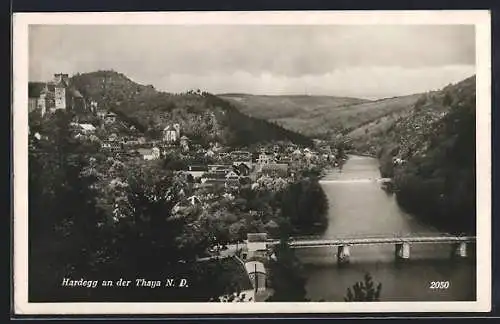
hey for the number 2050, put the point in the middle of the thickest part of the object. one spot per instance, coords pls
(439, 284)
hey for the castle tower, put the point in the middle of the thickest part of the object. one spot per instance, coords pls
(60, 83)
(177, 128)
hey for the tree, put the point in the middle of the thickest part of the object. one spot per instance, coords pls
(364, 290)
(235, 297)
(286, 277)
(151, 233)
(65, 225)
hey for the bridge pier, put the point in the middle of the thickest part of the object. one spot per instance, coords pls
(460, 250)
(402, 251)
(343, 254)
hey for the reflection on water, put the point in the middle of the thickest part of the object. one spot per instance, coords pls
(362, 208)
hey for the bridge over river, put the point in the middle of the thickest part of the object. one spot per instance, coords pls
(356, 180)
(368, 229)
(402, 243)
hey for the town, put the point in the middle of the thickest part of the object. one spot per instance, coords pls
(329, 165)
(213, 175)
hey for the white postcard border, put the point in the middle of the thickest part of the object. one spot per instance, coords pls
(480, 18)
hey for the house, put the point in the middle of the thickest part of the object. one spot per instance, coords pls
(241, 156)
(398, 161)
(257, 274)
(275, 169)
(296, 154)
(232, 183)
(133, 154)
(34, 102)
(218, 183)
(264, 158)
(243, 168)
(209, 153)
(255, 157)
(210, 175)
(177, 128)
(85, 129)
(113, 137)
(55, 93)
(93, 106)
(256, 242)
(184, 142)
(232, 175)
(101, 114)
(213, 175)
(212, 179)
(285, 160)
(192, 201)
(151, 154)
(93, 138)
(170, 134)
(110, 117)
(114, 147)
(196, 171)
(219, 167)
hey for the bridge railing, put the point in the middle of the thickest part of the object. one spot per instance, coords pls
(369, 236)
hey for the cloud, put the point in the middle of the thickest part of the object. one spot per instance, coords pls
(261, 58)
(370, 83)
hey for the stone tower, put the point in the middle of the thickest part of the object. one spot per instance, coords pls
(60, 83)
(177, 129)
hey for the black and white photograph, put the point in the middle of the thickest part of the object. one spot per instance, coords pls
(289, 162)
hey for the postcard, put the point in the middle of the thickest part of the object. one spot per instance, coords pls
(252, 162)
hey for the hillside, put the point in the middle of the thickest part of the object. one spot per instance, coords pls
(409, 130)
(435, 141)
(203, 117)
(319, 116)
(286, 106)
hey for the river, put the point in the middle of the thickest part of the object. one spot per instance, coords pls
(362, 209)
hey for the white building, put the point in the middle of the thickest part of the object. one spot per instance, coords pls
(60, 83)
(87, 128)
(184, 142)
(170, 134)
(257, 274)
(154, 154)
(264, 158)
(256, 242)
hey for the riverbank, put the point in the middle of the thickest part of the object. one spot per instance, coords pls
(438, 193)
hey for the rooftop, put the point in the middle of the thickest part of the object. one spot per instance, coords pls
(255, 266)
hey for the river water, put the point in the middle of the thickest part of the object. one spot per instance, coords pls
(359, 207)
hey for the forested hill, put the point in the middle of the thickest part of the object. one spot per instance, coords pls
(203, 117)
(318, 116)
(436, 143)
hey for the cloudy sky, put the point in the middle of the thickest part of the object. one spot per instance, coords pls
(357, 61)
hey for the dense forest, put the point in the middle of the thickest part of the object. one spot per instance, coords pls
(202, 116)
(431, 156)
